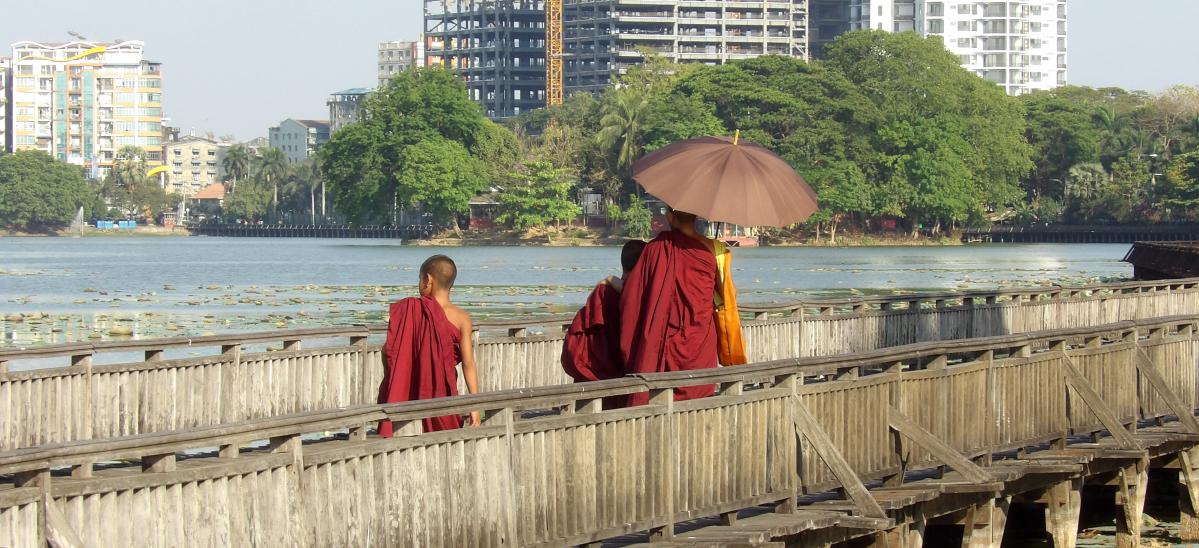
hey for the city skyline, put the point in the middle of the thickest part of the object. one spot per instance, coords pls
(239, 69)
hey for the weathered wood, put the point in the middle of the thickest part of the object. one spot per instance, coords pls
(1185, 413)
(938, 448)
(808, 427)
(1063, 507)
(59, 533)
(1083, 388)
(985, 524)
(1130, 504)
(1188, 494)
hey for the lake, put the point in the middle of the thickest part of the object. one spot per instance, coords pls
(97, 288)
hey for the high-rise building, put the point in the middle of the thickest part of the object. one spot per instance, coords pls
(827, 19)
(82, 101)
(4, 145)
(194, 162)
(1020, 46)
(397, 57)
(498, 46)
(344, 107)
(299, 139)
(604, 37)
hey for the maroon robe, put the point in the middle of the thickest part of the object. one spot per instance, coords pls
(419, 359)
(591, 347)
(667, 312)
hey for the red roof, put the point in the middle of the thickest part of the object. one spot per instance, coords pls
(215, 191)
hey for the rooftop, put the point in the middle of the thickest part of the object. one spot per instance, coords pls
(215, 191)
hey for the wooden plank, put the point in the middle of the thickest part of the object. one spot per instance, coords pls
(1185, 415)
(938, 448)
(59, 533)
(1107, 417)
(807, 426)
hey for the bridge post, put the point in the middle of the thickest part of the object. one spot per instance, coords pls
(663, 437)
(1130, 503)
(1188, 494)
(985, 523)
(1063, 503)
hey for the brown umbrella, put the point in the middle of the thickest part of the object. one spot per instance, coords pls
(726, 179)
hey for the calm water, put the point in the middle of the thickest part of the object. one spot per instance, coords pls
(71, 289)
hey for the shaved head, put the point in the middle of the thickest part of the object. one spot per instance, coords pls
(442, 269)
(630, 254)
(679, 219)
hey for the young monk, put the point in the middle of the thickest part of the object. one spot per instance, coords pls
(427, 337)
(591, 349)
(667, 320)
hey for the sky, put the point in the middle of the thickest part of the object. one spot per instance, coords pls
(237, 67)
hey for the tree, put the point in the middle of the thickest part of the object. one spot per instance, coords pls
(251, 201)
(441, 175)
(1182, 184)
(621, 125)
(129, 168)
(236, 164)
(637, 219)
(675, 117)
(37, 191)
(366, 164)
(273, 168)
(542, 195)
(1062, 135)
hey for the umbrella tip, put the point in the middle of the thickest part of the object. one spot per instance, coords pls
(736, 137)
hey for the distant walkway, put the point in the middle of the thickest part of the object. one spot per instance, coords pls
(410, 232)
(1081, 234)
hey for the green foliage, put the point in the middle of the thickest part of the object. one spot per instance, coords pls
(236, 163)
(442, 175)
(37, 191)
(542, 194)
(366, 165)
(250, 202)
(637, 219)
(1182, 183)
(1062, 134)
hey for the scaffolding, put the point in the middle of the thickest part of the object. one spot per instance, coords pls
(498, 46)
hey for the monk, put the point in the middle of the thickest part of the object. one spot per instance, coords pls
(667, 320)
(427, 337)
(591, 349)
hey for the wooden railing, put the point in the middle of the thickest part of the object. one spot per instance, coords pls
(583, 473)
(89, 401)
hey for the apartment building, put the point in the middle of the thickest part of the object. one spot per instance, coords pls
(299, 139)
(344, 107)
(82, 101)
(1021, 46)
(397, 57)
(194, 163)
(4, 131)
(498, 46)
(604, 37)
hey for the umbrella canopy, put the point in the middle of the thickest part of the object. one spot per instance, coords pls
(725, 179)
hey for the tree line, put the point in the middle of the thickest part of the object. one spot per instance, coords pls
(888, 128)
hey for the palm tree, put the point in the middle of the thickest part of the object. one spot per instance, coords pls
(236, 163)
(620, 126)
(129, 167)
(272, 167)
(305, 178)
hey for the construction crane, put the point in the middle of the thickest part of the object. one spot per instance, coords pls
(553, 52)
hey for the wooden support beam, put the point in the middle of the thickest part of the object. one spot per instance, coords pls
(1188, 494)
(941, 450)
(807, 426)
(1184, 412)
(1063, 503)
(1082, 387)
(59, 533)
(985, 523)
(1130, 504)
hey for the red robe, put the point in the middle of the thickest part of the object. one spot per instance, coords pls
(591, 348)
(419, 358)
(667, 313)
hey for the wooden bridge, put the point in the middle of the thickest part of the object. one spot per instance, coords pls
(921, 409)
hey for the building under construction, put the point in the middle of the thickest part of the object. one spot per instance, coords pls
(497, 45)
(604, 37)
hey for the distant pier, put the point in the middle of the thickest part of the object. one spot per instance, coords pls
(410, 232)
(1081, 234)
(1164, 260)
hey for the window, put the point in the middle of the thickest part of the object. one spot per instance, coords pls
(936, 9)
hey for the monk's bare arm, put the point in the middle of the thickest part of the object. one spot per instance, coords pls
(470, 370)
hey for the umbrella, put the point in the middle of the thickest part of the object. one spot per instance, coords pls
(728, 180)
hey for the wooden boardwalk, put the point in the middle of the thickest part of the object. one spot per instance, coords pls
(1005, 414)
(320, 369)
(869, 447)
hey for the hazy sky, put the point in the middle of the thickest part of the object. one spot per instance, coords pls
(239, 66)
